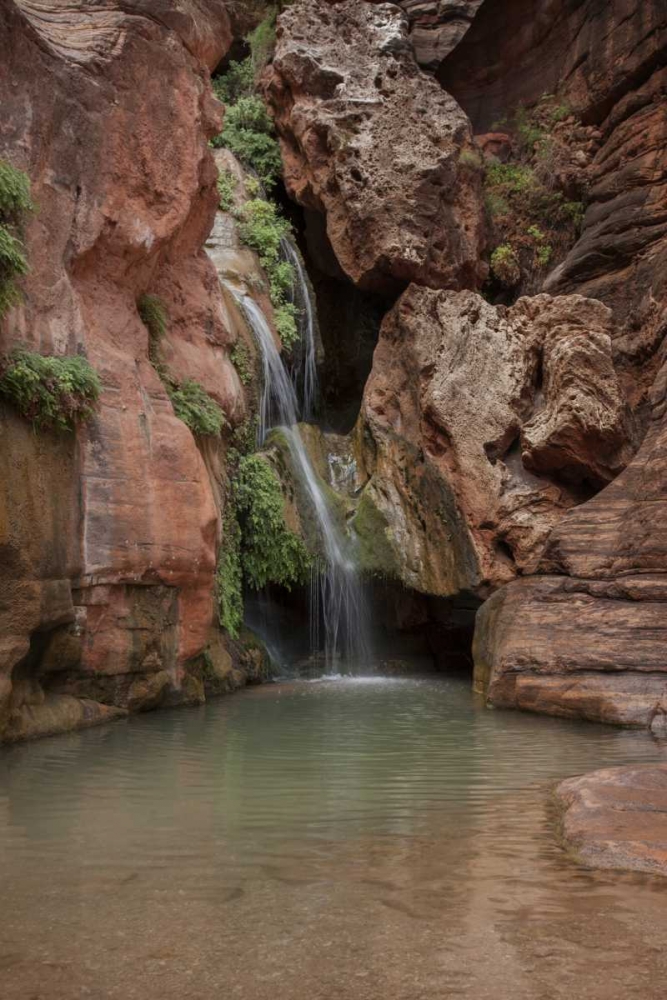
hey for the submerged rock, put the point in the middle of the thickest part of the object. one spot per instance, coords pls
(617, 818)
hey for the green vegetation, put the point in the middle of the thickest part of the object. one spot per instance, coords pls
(248, 129)
(249, 133)
(154, 316)
(284, 317)
(237, 82)
(15, 202)
(270, 552)
(193, 405)
(242, 361)
(469, 158)
(229, 576)
(531, 219)
(505, 265)
(227, 184)
(51, 392)
(261, 227)
(14, 193)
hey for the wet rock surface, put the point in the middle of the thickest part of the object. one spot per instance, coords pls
(617, 818)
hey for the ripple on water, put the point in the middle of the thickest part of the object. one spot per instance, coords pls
(353, 807)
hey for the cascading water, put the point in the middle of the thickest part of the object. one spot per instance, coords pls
(337, 596)
(305, 371)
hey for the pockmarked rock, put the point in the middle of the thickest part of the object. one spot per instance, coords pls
(376, 145)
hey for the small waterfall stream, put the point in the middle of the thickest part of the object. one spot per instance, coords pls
(305, 371)
(337, 600)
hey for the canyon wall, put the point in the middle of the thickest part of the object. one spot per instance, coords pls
(507, 448)
(108, 537)
(498, 443)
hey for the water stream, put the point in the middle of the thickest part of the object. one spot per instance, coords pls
(364, 839)
(338, 611)
(305, 368)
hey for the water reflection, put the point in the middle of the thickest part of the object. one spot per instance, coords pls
(351, 839)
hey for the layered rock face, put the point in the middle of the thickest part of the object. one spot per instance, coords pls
(108, 539)
(586, 637)
(376, 145)
(483, 426)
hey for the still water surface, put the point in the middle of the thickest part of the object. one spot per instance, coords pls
(334, 840)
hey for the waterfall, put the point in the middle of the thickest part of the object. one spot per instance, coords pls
(306, 370)
(337, 597)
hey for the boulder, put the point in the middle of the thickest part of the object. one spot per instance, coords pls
(377, 146)
(481, 427)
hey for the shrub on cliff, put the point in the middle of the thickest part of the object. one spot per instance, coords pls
(15, 202)
(529, 200)
(262, 228)
(248, 132)
(229, 576)
(51, 392)
(270, 551)
(193, 405)
(154, 316)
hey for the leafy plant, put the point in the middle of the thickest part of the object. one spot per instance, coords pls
(544, 255)
(227, 184)
(505, 265)
(51, 392)
(13, 265)
(229, 575)
(14, 203)
(238, 81)
(242, 361)
(249, 133)
(270, 551)
(193, 405)
(261, 227)
(470, 158)
(286, 326)
(15, 198)
(262, 41)
(154, 316)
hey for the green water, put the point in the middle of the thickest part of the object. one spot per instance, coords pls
(336, 839)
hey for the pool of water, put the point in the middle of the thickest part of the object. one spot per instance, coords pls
(334, 840)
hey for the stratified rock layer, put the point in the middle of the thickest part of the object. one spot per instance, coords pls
(465, 403)
(375, 144)
(617, 818)
(587, 638)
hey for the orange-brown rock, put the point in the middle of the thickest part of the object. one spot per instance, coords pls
(109, 537)
(586, 638)
(465, 403)
(617, 818)
(375, 144)
(608, 63)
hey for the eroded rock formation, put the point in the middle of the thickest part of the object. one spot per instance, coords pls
(376, 145)
(480, 425)
(586, 638)
(109, 540)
